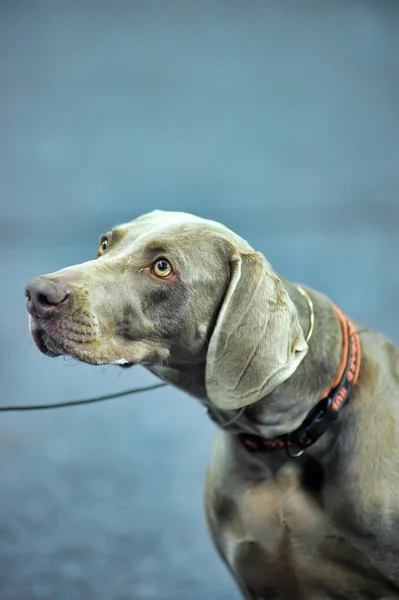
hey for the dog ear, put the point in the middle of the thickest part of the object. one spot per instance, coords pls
(257, 342)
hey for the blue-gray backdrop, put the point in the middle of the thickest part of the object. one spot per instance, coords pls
(280, 119)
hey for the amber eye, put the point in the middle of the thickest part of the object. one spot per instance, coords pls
(162, 268)
(103, 245)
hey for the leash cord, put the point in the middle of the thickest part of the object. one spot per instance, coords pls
(148, 388)
(18, 408)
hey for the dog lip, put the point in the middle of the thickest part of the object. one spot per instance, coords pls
(122, 362)
(38, 335)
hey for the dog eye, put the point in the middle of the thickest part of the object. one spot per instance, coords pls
(162, 268)
(103, 245)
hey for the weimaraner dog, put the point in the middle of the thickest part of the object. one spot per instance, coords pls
(302, 492)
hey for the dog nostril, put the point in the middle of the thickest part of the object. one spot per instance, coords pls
(44, 301)
(51, 297)
(44, 294)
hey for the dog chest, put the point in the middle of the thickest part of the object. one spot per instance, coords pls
(278, 537)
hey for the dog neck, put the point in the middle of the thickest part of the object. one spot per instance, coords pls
(285, 408)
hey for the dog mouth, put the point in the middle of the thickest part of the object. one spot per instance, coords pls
(43, 340)
(67, 341)
(59, 338)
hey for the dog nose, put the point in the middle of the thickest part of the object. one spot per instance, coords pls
(45, 296)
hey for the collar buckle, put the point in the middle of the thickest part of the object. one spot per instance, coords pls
(315, 424)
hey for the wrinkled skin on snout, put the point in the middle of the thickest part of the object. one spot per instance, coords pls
(115, 309)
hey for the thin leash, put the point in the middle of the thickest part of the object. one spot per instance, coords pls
(19, 408)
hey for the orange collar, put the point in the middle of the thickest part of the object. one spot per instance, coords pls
(327, 409)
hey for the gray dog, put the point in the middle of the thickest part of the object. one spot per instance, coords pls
(300, 504)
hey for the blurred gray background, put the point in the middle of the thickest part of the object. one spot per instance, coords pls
(279, 118)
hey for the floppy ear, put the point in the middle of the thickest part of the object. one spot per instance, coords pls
(257, 342)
